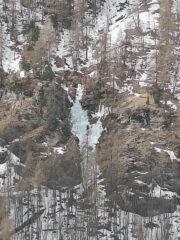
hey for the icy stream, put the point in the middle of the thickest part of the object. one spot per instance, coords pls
(87, 134)
(79, 117)
(80, 121)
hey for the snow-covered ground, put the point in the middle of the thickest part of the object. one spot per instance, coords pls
(169, 152)
(13, 43)
(115, 19)
(8, 176)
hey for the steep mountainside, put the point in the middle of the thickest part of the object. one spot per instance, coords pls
(89, 119)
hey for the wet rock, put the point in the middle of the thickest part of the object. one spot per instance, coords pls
(72, 91)
(151, 225)
(93, 120)
(3, 156)
(146, 206)
(177, 151)
(19, 169)
(58, 106)
(2, 142)
(141, 116)
(89, 104)
(60, 62)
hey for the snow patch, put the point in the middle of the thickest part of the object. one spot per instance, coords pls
(58, 150)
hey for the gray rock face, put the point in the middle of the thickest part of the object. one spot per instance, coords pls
(2, 142)
(3, 156)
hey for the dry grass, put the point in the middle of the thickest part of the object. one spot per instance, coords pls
(116, 139)
(33, 134)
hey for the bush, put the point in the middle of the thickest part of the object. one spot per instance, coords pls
(16, 85)
(34, 34)
(26, 66)
(2, 75)
(32, 31)
(48, 74)
(157, 94)
(66, 129)
(54, 19)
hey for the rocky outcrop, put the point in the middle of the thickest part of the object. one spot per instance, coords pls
(64, 170)
(139, 174)
(32, 126)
